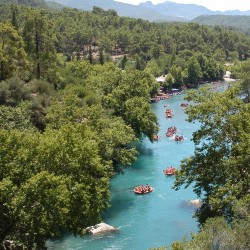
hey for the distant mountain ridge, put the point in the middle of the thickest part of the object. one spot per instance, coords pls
(167, 11)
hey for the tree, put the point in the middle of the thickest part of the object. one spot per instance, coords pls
(176, 73)
(212, 70)
(16, 117)
(138, 65)
(132, 95)
(14, 11)
(219, 168)
(194, 71)
(90, 54)
(139, 116)
(101, 57)
(12, 91)
(114, 136)
(12, 55)
(168, 83)
(123, 62)
(153, 68)
(217, 233)
(243, 73)
(156, 51)
(50, 182)
(38, 36)
(115, 140)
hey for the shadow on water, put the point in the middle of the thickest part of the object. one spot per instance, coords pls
(143, 150)
(120, 203)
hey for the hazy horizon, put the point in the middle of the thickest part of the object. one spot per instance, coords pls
(214, 5)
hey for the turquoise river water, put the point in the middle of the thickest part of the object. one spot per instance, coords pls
(155, 219)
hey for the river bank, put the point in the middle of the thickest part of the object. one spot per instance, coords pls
(160, 217)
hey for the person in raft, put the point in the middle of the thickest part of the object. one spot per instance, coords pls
(143, 188)
(148, 187)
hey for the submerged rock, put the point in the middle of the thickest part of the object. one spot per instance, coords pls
(100, 228)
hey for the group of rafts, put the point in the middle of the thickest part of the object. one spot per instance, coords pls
(171, 131)
(169, 171)
(147, 189)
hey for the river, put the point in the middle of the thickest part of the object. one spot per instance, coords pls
(155, 219)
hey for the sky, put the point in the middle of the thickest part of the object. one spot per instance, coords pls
(210, 4)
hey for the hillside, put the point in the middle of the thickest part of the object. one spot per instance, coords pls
(238, 22)
(122, 9)
(167, 11)
(185, 11)
(55, 6)
(33, 3)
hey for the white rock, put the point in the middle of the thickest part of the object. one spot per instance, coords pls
(196, 202)
(100, 228)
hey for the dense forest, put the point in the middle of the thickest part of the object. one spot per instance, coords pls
(230, 21)
(75, 91)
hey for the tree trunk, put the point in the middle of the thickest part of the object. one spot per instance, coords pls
(1, 74)
(38, 67)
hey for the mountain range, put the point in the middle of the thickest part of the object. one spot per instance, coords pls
(166, 11)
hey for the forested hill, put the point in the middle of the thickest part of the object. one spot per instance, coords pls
(33, 3)
(237, 21)
(55, 6)
(72, 32)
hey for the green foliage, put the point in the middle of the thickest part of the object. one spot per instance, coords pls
(176, 74)
(218, 234)
(33, 3)
(115, 141)
(12, 91)
(177, 246)
(114, 136)
(40, 45)
(55, 181)
(219, 168)
(153, 68)
(15, 117)
(100, 11)
(130, 100)
(233, 21)
(12, 54)
(241, 71)
(138, 114)
(80, 70)
(72, 31)
(37, 93)
(194, 71)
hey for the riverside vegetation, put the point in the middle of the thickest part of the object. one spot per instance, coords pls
(69, 118)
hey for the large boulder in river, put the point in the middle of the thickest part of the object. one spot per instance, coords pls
(100, 228)
(196, 202)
